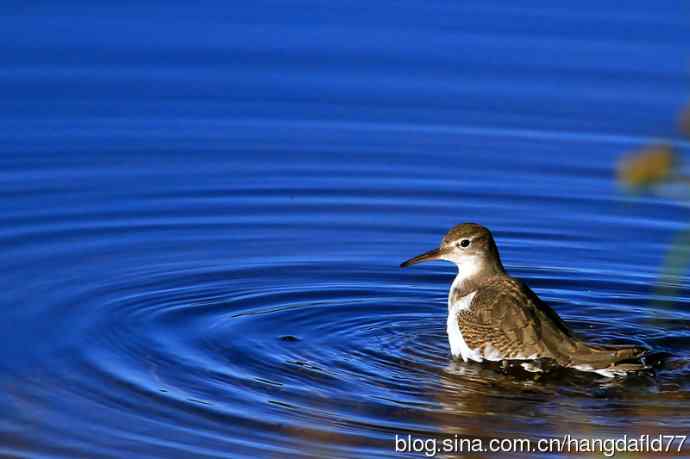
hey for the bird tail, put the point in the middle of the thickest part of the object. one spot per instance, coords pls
(611, 359)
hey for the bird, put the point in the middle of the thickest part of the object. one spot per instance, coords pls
(495, 317)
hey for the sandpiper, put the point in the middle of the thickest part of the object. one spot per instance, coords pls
(494, 317)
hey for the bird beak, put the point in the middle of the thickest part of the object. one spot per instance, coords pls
(430, 255)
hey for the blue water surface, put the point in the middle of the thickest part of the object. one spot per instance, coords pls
(204, 207)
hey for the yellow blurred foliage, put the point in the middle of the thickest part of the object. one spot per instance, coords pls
(647, 166)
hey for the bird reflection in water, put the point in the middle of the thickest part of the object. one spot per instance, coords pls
(478, 401)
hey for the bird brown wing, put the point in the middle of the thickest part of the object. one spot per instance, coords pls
(507, 315)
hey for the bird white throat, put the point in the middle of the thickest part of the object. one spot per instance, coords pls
(467, 266)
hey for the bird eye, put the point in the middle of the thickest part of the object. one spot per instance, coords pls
(465, 242)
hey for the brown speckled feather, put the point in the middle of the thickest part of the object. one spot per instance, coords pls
(506, 314)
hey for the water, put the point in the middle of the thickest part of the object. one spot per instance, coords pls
(204, 209)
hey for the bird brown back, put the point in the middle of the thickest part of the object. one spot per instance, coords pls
(506, 314)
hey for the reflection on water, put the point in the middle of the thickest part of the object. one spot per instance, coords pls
(204, 210)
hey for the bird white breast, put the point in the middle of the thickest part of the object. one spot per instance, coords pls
(458, 346)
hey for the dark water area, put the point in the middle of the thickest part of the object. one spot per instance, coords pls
(204, 208)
